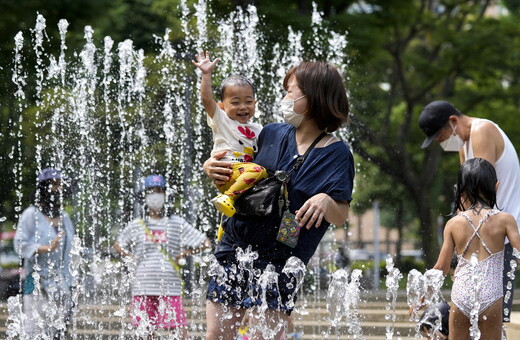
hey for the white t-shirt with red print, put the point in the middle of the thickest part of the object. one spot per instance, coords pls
(239, 140)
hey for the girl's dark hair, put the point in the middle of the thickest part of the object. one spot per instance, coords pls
(327, 101)
(235, 80)
(477, 181)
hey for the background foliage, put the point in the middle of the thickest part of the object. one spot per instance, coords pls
(401, 55)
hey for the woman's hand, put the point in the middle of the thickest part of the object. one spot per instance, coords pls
(313, 210)
(54, 244)
(319, 207)
(219, 171)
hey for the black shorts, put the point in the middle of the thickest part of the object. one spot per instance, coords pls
(234, 286)
(509, 282)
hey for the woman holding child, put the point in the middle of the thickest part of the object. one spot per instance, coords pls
(319, 192)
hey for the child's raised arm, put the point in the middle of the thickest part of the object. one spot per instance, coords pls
(206, 66)
(448, 246)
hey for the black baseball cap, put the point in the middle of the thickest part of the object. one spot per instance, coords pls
(434, 117)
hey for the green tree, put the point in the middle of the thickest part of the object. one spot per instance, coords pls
(395, 206)
(121, 19)
(408, 54)
(402, 55)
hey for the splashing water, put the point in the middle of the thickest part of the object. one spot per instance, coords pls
(245, 268)
(433, 281)
(392, 285)
(414, 293)
(343, 297)
(511, 276)
(108, 115)
(474, 288)
(16, 318)
(424, 290)
(267, 281)
(516, 253)
(295, 270)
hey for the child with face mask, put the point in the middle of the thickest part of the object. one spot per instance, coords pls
(233, 133)
(156, 243)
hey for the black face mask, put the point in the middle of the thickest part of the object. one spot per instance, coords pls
(50, 204)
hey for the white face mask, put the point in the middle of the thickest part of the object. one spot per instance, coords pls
(454, 143)
(155, 200)
(289, 116)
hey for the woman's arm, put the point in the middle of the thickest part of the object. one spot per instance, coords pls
(322, 206)
(219, 171)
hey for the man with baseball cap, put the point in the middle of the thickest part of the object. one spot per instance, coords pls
(479, 138)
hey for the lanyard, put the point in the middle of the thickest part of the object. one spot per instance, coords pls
(161, 249)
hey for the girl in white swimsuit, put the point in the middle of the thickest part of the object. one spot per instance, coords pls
(474, 198)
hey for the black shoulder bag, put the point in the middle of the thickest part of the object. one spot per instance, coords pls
(269, 194)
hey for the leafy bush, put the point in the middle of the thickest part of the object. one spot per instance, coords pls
(408, 263)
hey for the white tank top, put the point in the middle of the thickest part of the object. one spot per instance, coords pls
(508, 173)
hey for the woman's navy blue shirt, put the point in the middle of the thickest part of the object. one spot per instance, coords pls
(327, 170)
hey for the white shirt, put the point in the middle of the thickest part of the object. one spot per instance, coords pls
(239, 140)
(508, 173)
(34, 230)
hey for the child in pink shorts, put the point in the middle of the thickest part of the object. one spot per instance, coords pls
(156, 243)
(165, 312)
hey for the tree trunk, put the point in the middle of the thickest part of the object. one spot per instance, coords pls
(428, 231)
(360, 232)
(387, 236)
(399, 224)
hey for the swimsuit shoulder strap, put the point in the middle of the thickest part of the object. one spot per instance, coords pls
(476, 230)
(463, 214)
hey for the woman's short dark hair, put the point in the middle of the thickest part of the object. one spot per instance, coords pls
(327, 101)
(477, 181)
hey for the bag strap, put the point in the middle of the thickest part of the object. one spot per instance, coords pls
(284, 194)
(161, 249)
(300, 159)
